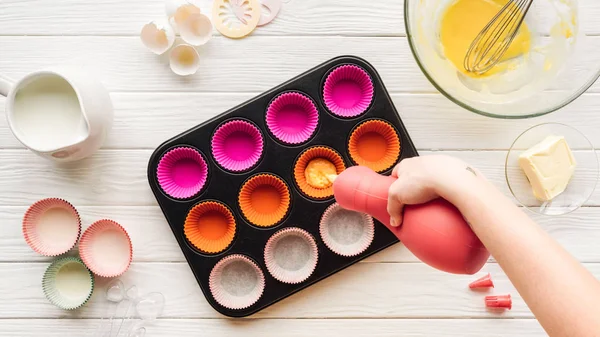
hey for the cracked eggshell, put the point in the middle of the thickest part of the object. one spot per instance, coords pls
(196, 30)
(158, 36)
(184, 60)
(171, 6)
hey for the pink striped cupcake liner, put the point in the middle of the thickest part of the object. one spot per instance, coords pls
(292, 118)
(51, 227)
(348, 91)
(236, 282)
(346, 233)
(237, 145)
(291, 255)
(182, 172)
(105, 248)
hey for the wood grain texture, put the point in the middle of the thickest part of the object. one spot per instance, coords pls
(254, 64)
(153, 240)
(291, 327)
(365, 290)
(145, 120)
(298, 17)
(118, 177)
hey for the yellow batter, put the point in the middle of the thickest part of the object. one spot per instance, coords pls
(461, 23)
(318, 171)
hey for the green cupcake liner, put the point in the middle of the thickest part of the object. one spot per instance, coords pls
(68, 283)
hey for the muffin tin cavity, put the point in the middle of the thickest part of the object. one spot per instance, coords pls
(237, 145)
(210, 227)
(249, 193)
(264, 200)
(307, 183)
(182, 172)
(291, 255)
(292, 118)
(348, 91)
(374, 144)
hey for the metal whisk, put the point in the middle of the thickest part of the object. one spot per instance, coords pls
(495, 38)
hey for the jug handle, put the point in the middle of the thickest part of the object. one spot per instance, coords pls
(5, 85)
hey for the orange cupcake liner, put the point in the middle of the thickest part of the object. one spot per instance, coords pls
(210, 227)
(264, 200)
(375, 144)
(302, 162)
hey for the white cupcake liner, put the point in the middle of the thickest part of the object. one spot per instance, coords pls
(346, 233)
(236, 282)
(291, 255)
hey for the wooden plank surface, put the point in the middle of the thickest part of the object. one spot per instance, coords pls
(365, 290)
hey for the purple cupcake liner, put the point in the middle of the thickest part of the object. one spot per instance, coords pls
(237, 145)
(348, 91)
(292, 118)
(182, 172)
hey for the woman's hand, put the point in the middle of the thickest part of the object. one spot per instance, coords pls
(422, 179)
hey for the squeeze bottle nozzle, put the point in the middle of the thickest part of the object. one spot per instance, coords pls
(435, 232)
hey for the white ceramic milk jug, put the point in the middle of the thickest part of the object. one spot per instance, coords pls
(60, 113)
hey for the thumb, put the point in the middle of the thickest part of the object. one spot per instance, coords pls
(395, 205)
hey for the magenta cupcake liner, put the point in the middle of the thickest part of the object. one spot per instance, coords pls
(236, 282)
(51, 226)
(348, 91)
(182, 172)
(237, 145)
(292, 118)
(291, 255)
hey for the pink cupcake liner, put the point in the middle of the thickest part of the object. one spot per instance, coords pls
(51, 227)
(237, 145)
(348, 91)
(346, 233)
(291, 255)
(236, 282)
(292, 118)
(105, 248)
(182, 172)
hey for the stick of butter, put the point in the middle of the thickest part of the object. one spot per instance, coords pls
(549, 166)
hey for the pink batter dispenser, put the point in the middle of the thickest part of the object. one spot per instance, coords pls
(434, 232)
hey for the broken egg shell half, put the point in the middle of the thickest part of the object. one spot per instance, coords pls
(158, 36)
(196, 30)
(184, 60)
(171, 6)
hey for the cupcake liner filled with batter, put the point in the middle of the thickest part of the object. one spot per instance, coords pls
(375, 144)
(236, 282)
(292, 118)
(237, 145)
(348, 91)
(291, 255)
(210, 227)
(264, 200)
(314, 169)
(346, 233)
(182, 172)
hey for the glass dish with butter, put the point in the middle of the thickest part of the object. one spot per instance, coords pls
(552, 169)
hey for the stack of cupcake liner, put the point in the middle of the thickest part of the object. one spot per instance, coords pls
(52, 227)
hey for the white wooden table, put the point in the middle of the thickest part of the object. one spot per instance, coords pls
(389, 294)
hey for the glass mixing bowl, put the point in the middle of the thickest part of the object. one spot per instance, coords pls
(562, 64)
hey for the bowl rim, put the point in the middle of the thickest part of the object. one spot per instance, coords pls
(416, 56)
(533, 208)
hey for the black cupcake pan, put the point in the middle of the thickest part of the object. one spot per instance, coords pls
(278, 159)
